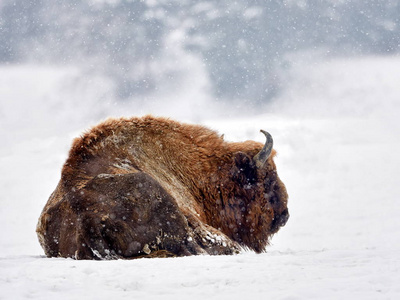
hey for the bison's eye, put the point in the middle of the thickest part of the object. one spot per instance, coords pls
(268, 184)
(270, 181)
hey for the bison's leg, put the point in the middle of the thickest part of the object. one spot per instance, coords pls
(127, 216)
(212, 240)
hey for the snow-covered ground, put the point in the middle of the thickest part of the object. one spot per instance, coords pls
(337, 132)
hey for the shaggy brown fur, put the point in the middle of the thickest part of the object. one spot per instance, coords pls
(154, 187)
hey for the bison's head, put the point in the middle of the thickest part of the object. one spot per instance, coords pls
(256, 199)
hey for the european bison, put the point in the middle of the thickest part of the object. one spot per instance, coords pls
(152, 187)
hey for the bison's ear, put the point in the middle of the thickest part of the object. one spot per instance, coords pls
(242, 160)
(244, 167)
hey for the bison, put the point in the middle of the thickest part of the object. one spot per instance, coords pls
(153, 187)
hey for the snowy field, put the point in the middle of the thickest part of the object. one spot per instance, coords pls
(336, 130)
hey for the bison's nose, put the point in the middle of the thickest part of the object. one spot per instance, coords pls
(283, 218)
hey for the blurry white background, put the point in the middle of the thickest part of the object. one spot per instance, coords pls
(323, 78)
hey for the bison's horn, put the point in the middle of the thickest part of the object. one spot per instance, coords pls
(261, 157)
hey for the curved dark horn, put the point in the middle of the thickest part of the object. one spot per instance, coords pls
(261, 157)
